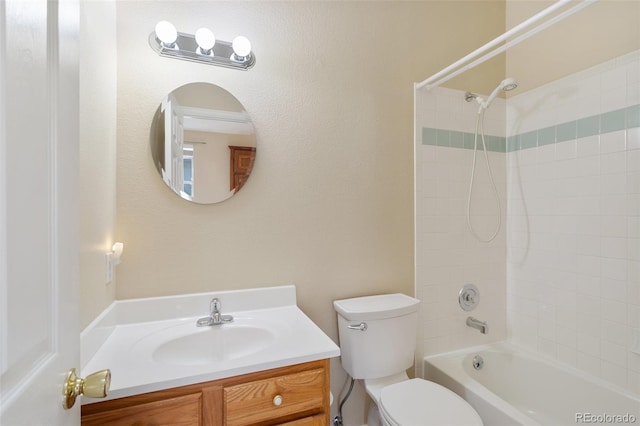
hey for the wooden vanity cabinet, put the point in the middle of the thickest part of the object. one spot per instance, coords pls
(296, 395)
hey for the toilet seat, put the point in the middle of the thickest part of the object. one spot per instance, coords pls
(420, 402)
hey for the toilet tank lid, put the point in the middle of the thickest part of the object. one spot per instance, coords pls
(380, 306)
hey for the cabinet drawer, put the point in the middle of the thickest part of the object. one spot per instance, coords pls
(317, 420)
(179, 411)
(254, 402)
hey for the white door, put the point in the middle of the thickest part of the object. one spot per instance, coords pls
(39, 307)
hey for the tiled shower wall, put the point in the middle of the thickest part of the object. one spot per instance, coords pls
(447, 255)
(565, 266)
(573, 245)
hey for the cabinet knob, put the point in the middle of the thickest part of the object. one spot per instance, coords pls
(277, 400)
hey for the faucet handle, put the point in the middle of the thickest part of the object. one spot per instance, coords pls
(215, 305)
(469, 297)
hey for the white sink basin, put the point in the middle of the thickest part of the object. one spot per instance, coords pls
(203, 345)
(154, 343)
(185, 344)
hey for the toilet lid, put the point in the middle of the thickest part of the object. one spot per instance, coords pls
(420, 402)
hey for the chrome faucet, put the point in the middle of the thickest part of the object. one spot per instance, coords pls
(480, 325)
(215, 316)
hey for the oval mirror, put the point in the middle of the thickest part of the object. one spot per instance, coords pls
(203, 143)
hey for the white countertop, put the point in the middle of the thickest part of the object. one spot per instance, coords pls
(121, 341)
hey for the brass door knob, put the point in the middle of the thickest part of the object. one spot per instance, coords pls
(95, 385)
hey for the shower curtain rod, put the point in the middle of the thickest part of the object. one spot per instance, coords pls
(450, 71)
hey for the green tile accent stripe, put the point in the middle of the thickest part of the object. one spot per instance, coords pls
(625, 118)
(566, 131)
(633, 116)
(528, 140)
(454, 139)
(589, 126)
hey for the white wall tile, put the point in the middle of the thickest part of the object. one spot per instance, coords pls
(575, 237)
(633, 138)
(613, 142)
(589, 146)
(447, 253)
(568, 280)
(633, 160)
(566, 150)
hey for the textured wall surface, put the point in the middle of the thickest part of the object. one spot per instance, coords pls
(329, 205)
(602, 31)
(98, 94)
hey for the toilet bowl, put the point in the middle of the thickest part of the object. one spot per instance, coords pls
(400, 401)
(421, 402)
(377, 345)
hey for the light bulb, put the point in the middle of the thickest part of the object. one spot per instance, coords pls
(117, 248)
(241, 46)
(166, 33)
(206, 40)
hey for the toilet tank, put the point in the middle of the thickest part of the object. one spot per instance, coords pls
(377, 334)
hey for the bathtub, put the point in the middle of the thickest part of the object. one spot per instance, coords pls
(517, 387)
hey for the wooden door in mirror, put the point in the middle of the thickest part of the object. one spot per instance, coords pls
(241, 163)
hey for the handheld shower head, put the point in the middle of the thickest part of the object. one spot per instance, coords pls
(508, 84)
(505, 85)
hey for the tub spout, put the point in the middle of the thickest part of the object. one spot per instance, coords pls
(480, 325)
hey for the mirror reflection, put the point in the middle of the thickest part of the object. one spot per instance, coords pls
(203, 143)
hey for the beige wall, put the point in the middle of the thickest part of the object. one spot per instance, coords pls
(97, 154)
(427, 24)
(331, 99)
(602, 31)
(329, 205)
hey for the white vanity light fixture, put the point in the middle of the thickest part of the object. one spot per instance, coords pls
(206, 40)
(166, 34)
(112, 259)
(203, 47)
(241, 48)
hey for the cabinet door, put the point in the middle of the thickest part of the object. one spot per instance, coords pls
(180, 411)
(269, 399)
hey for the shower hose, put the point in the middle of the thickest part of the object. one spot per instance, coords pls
(480, 126)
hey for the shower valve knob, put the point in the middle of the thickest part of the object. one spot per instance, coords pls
(469, 297)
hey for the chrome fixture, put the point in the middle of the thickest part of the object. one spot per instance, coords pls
(480, 325)
(478, 362)
(202, 47)
(468, 96)
(215, 316)
(469, 297)
(505, 85)
(362, 326)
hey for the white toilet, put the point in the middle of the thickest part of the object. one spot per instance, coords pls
(377, 344)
